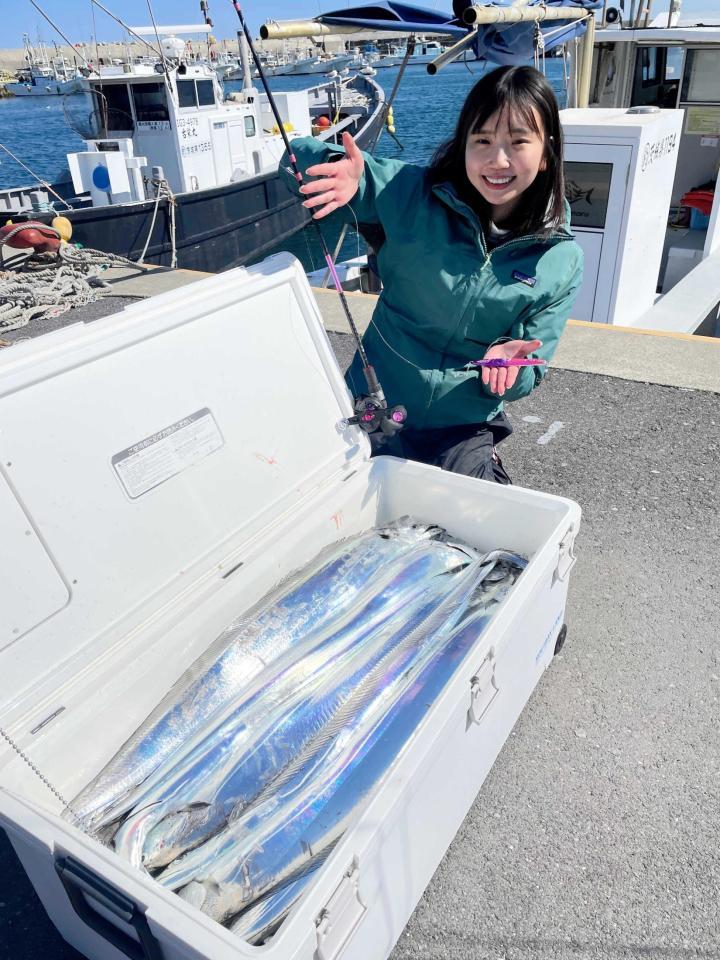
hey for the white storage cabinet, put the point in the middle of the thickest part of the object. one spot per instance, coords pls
(162, 469)
(619, 171)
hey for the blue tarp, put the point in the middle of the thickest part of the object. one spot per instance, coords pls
(396, 18)
(506, 43)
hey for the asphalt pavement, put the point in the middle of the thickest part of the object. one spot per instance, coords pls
(595, 835)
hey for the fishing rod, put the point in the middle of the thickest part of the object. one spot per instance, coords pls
(371, 411)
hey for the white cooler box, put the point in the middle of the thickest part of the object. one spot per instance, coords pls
(162, 469)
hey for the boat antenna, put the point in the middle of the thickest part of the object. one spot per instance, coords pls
(126, 27)
(205, 10)
(372, 412)
(97, 52)
(157, 37)
(56, 27)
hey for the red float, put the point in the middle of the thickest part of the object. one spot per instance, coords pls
(39, 236)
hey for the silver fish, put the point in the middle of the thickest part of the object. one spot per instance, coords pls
(266, 844)
(284, 623)
(261, 921)
(183, 807)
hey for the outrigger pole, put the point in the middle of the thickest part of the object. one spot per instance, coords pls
(372, 412)
(479, 15)
(474, 16)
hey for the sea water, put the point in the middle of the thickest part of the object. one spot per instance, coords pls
(40, 131)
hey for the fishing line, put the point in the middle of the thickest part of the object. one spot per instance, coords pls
(372, 411)
(44, 183)
(309, 249)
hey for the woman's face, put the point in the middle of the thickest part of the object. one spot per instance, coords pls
(503, 159)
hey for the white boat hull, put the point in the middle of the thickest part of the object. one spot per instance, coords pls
(48, 88)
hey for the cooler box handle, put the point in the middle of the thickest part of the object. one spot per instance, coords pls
(82, 886)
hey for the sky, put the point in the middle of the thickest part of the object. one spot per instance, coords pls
(75, 17)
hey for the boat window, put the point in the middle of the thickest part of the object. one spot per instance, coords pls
(205, 93)
(657, 77)
(249, 126)
(195, 93)
(112, 111)
(700, 82)
(649, 65)
(674, 63)
(186, 93)
(150, 101)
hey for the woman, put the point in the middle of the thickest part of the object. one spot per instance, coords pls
(477, 261)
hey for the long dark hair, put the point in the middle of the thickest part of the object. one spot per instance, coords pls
(517, 90)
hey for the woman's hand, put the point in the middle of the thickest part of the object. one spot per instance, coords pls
(339, 180)
(500, 379)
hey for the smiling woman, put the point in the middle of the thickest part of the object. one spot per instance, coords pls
(476, 261)
(503, 161)
(508, 130)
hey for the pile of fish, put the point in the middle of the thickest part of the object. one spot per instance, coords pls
(239, 784)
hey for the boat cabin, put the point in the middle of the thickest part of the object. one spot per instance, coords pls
(671, 67)
(177, 119)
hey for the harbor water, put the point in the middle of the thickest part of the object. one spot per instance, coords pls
(41, 131)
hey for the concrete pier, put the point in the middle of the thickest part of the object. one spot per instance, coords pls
(595, 834)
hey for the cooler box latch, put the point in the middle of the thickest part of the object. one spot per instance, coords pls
(483, 690)
(566, 556)
(340, 916)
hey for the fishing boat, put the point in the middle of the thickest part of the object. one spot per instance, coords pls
(322, 63)
(178, 174)
(425, 51)
(46, 76)
(670, 63)
(642, 140)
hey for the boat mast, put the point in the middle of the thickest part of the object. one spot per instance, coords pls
(244, 60)
(56, 27)
(157, 37)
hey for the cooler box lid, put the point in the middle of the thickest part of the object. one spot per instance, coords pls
(139, 451)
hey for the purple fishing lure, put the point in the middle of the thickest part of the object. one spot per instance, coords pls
(501, 362)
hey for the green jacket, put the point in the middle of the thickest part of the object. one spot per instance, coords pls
(445, 299)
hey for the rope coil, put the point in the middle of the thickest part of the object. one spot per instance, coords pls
(48, 285)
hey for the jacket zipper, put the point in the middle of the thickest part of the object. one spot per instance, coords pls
(558, 238)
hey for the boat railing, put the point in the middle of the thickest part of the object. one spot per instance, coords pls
(691, 306)
(331, 132)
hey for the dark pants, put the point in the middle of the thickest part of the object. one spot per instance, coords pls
(467, 449)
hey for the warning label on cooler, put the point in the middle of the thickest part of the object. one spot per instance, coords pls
(166, 453)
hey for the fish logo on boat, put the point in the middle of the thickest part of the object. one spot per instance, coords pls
(574, 192)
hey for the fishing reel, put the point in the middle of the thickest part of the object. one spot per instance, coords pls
(373, 413)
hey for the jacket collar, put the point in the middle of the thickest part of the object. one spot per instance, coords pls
(447, 193)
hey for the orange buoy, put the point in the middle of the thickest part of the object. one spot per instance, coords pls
(39, 236)
(323, 122)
